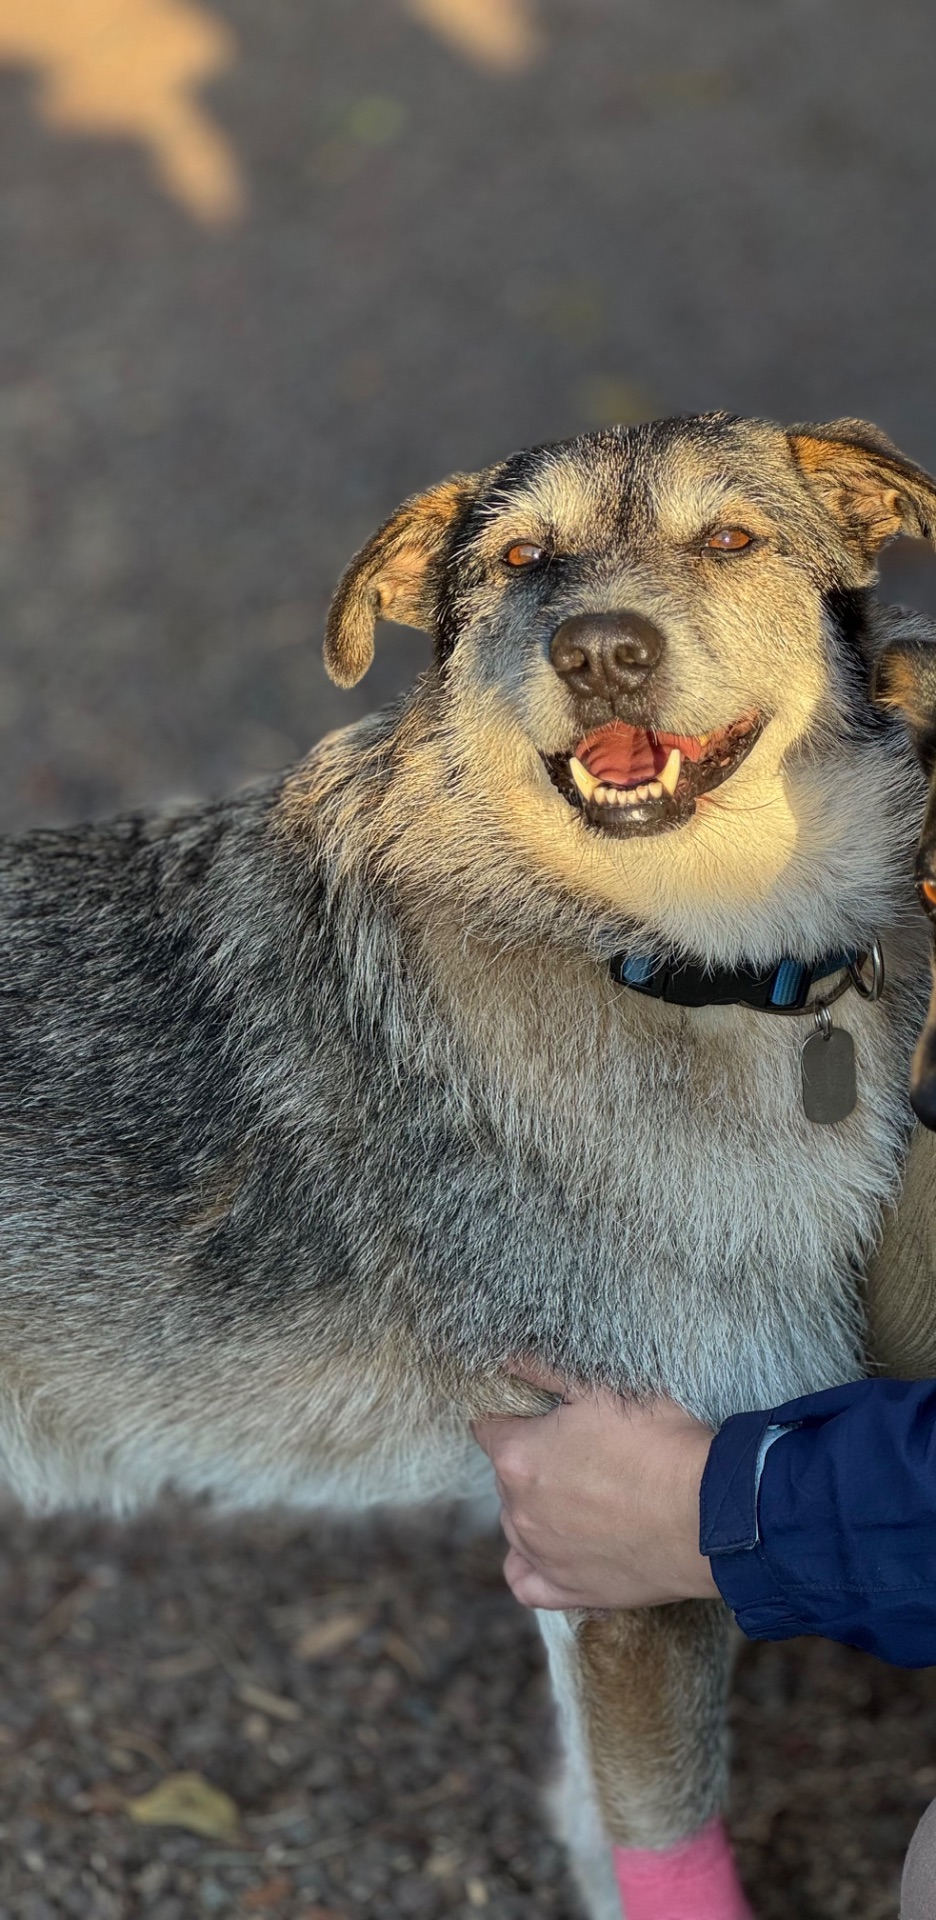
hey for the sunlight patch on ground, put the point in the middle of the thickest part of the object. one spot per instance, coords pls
(129, 69)
(498, 34)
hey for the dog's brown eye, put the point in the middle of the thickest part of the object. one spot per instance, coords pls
(729, 540)
(928, 890)
(524, 554)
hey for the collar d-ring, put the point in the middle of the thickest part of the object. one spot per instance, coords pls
(868, 989)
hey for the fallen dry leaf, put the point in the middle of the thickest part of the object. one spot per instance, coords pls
(60, 1617)
(136, 1742)
(271, 1894)
(274, 1704)
(329, 1636)
(450, 1787)
(104, 1796)
(190, 1801)
(404, 1655)
(180, 1666)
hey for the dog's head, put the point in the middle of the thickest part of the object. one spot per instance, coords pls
(654, 646)
(905, 681)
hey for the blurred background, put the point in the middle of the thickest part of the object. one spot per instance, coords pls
(265, 269)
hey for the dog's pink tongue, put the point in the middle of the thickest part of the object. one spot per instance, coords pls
(695, 1880)
(619, 755)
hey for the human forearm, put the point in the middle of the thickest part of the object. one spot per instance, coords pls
(839, 1537)
(832, 1531)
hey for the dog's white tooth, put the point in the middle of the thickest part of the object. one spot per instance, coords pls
(643, 793)
(655, 790)
(585, 781)
(630, 796)
(601, 795)
(670, 773)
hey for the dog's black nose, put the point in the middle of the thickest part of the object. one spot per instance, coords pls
(606, 653)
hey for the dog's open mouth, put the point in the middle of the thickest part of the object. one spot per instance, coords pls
(630, 780)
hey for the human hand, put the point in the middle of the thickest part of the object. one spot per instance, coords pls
(600, 1500)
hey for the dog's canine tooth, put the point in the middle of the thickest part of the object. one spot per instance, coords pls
(670, 773)
(584, 780)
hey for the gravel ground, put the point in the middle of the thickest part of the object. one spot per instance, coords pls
(375, 1706)
(441, 250)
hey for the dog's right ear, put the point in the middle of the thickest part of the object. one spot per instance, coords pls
(395, 577)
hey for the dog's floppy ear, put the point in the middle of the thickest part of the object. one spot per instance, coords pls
(866, 483)
(394, 577)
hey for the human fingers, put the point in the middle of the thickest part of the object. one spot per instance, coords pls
(509, 1531)
(493, 1432)
(536, 1375)
(529, 1586)
(506, 1439)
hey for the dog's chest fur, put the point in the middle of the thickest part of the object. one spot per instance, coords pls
(633, 1191)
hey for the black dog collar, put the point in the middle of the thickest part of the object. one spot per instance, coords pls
(784, 988)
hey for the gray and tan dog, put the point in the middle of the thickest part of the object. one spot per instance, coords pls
(322, 1106)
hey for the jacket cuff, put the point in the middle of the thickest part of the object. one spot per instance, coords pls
(729, 1534)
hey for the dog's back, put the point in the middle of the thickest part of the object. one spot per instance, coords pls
(123, 1077)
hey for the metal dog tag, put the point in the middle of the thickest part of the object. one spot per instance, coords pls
(828, 1066)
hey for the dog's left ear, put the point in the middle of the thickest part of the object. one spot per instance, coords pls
(866, 483)
(395, 577)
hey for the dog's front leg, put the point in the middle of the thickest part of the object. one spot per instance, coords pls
(641, 1702)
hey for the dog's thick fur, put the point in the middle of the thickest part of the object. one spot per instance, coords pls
(321, 1106)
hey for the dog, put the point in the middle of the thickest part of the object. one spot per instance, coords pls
(325, 1106)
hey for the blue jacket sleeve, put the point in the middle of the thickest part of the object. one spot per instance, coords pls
(819, 1516)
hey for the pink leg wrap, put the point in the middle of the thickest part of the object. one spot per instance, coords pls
(695, 1880)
